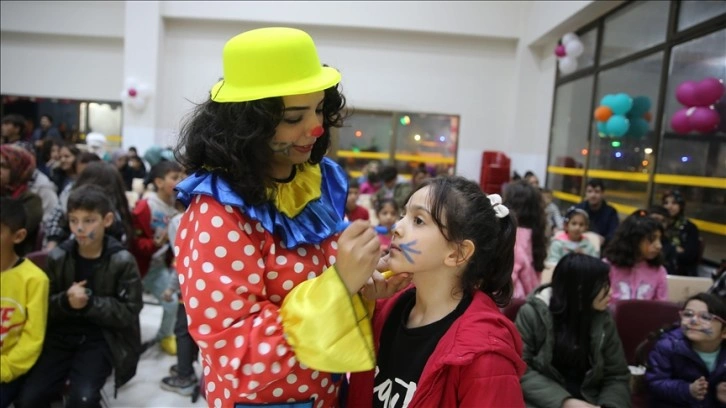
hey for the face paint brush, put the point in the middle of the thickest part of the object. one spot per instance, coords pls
(342, 225)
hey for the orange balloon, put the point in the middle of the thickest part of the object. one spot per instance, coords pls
(647, 116)
(603, 113)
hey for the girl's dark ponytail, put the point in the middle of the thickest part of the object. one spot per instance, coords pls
(499, 283)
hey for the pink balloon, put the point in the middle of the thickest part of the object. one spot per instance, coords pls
(704, 120)
(680, 122)
(560, 51)
(687, 93)
(709, 91)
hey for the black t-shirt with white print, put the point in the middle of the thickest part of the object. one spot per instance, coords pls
(403, 352)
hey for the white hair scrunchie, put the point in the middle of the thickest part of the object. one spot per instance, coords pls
(499, 209)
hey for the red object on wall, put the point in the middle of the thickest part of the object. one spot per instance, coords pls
(495, 171)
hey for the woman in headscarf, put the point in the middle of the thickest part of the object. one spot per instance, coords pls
(16, 170)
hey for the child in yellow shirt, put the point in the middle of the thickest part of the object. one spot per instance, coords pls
(23, 303)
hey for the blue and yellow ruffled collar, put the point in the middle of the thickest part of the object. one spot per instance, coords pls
(304, 211)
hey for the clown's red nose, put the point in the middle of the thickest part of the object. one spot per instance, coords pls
(317, 131)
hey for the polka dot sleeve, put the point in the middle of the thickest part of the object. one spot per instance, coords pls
(222, 260)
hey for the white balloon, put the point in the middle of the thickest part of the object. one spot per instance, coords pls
(138, 104)
(568, 65)
(131, 82)
(143, 91)
(569, 37)
(574, 48)
(124, 95)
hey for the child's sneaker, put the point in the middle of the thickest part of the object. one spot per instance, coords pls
(168, 344)
(180, 385)
(174, 370)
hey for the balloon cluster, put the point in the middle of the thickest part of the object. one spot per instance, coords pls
(135, 94)
(567, 51)
(698, 99)
(620, 115)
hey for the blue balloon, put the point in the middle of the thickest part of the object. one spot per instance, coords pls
(617, 125)
(621, 104)
(602, 129)
(608, 101)
(638, 128)
(641, 105)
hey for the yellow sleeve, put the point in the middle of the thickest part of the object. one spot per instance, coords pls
(328, 329)
(25, 353)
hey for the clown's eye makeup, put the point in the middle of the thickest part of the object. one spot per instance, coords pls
(292, 121)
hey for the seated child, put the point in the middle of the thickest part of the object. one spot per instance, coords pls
(23, 303)
(687, 367)
(387, 212)
(353, 211)
(572, 239)
(93, 314)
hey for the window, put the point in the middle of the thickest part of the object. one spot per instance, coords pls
(695, 12)
(589, 42)
(634, 28)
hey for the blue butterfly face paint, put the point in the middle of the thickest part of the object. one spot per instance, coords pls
(407, 250)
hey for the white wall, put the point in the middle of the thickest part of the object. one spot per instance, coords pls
(381, 70)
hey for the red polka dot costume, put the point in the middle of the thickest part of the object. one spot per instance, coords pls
(237, 265)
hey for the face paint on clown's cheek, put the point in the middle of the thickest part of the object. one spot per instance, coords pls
(407, 249)
(281, 147)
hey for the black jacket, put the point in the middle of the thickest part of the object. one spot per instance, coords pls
(114, 305)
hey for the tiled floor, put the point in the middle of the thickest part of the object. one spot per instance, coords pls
(143, 390)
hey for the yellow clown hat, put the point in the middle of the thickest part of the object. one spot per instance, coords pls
(270, 62)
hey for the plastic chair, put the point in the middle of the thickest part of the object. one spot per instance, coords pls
(681, 288)
(636, 319)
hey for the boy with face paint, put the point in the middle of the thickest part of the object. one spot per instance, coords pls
(687, 367)
(93, 312)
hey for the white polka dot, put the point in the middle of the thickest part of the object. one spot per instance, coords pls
(251, 396)
(258, 368)
(312, 275)
(191, 214)
(237, 265)
(281, 260)
(275, 368)
(277, 392)
(324, 383)
(225, 279)
(204, 237)
(217, 296)
(241, 289)
(299, 267)
(256, 322)
(303, 366)
(320, 404)
(233, 236)
(271, 275)
(220, 251)
(253, 278)
(223, 360)
(291, 379)
(219, 344)
(200, 284)
(181, 279)
(270, 330)
(197, 201)
(236, 304)
(247, 228)
(264, 348)
(204, 329)
(249, 250)
(183, 233)
(331, 389)
(227, 322)
(287, 285)
(315, 260)
(334, 245)
(314, 397)
(186, 261)
(206, 370)
(260, 263)
(247, 369)
(255, 308)
(235, 362)
(227, 394)
(193, 302)
(195, 255)
(275, 298)
(302, 388)
(196, 226)
(252, 385)
(280, 350)
(217, 403)
(331, 260)
(191, 243)
(259, 227)
(207, 267)
(239, 341)
(203, 344)
(228, 208)
(217, 221)
(301, 251)
(210, 313)
(203, 208)
(176, 250)
(315, 375)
